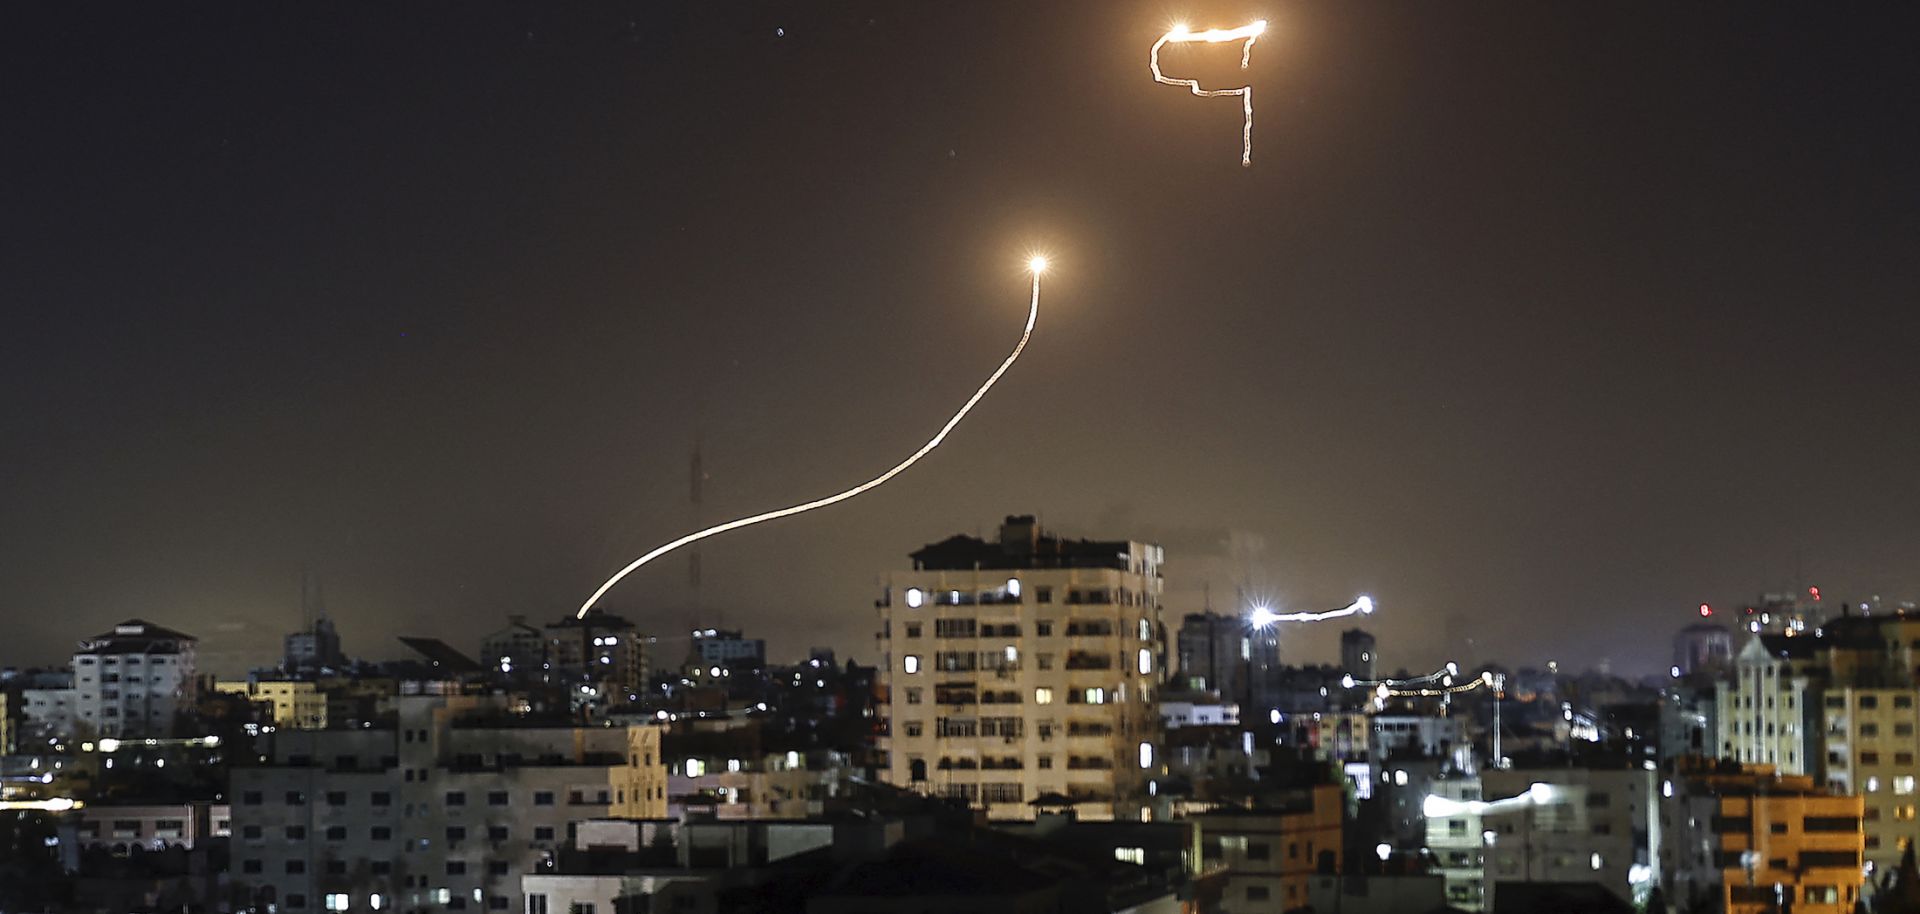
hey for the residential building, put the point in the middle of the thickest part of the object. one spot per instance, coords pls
(133, 680)
(601, 658)
(1025, 668)
(1584, 823)
(1458, 842)
(519, 650)
(294, 704)
(1271, 852)
(1871, 747)
(1224, 654)
(1768, 710)
(447, 805)
(1743, 839)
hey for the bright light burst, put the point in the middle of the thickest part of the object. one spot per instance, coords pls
(57, 804)
(1247, 34)
(1035, 265)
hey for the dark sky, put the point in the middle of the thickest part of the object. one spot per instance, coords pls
(1542, 322)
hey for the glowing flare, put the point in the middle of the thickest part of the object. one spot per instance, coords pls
(1036, 265)
(1247, 34)
(1439, 807)
(57, 804)
(1400, 687)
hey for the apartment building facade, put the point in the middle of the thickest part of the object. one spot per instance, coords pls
(1743, 839)
(1582, 824)
(444, 809)
(133, 680)
(1025, 669)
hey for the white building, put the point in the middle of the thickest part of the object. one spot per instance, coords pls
(132, 681)
(1458, 841)
(1599, 825)
(1024, 668)
(1765, 712)
(446, 808)
(120, 829)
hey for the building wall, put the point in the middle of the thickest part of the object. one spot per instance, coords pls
(1271, 857)
(1871, 748)
(128, 683)
(120, 828)
(1735, 837)
(1459, 850)
(297, 705)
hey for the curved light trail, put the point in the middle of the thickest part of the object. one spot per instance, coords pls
(1439, 807)
(1036, 266)
(1248, 34)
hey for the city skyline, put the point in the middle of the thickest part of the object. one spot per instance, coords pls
(1539, 324)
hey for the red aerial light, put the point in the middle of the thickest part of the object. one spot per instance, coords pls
(1705, 610)
(1815, 592)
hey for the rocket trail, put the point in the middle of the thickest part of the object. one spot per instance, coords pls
(1263, 617)
(1248, 34)
(1037, 266)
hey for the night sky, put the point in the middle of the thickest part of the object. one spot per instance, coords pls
(1541, 322)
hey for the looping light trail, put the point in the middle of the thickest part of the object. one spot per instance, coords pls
(1247, 34)
(1037, 265)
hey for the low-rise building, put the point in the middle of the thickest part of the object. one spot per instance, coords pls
(1593, 823)
(294, 704)
(456, 798)
(1270, 852)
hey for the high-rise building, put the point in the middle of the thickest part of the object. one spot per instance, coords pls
(317, 647)
(132, 681)
(515, 651)
(1025, 669)
(443, 808)
(1228, 656)
(1357, 656)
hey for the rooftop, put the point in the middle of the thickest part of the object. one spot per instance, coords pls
(1022, 544)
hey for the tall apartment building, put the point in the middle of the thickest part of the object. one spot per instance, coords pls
(1458, 842)
(445, 808)
(1702, 647)
(132, 681)
(1025, 668)
(601, 658)
(1768, 710)
(1358, 657)
(1743, 839)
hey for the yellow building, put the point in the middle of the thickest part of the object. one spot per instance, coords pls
(1755, 839)
(297, 705)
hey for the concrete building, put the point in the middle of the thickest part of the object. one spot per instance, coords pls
(1271, 853)
(132, 681)
(294, 704)
(1742, 839)
(445, 807)
(1768, 710)
(1702, 647)
(120, 829)
(519, 650)
(1358, 657)
(1224, 654)
(1583, 824)
(1025, 668)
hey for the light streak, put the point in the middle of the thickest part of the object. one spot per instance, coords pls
(1264, 616)
(57, 804)
(1444, 673)
(1436, 806)
(1036, 265)
(1247, 34)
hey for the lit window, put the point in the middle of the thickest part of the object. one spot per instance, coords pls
(1873, 785)
(1903, 784)
(1013, 587)
(1595, 860)
(916, 597)
(1146, 755)
(696, 767)
(1146, 661)
(1043, 696)
(1096, 696)
(910, 663)
(1134, 855)
(337, 901)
